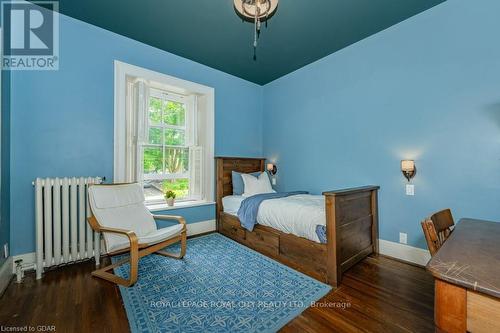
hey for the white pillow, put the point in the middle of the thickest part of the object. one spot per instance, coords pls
(254, 185)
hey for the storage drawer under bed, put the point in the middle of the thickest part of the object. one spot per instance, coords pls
(263, 240)
(230, 227)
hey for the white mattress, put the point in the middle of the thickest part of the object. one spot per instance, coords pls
(298, 214)
(232, 203)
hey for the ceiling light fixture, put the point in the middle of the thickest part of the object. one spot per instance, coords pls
(256, 11)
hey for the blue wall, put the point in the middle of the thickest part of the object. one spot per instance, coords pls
(428, 89)
(192, 215)
(5, 160)
(62, 121)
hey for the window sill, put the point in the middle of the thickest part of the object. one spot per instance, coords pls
(158, 207)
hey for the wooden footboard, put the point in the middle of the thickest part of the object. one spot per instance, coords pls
(351, 228)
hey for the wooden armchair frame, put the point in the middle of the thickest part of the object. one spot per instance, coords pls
(437, 229)
(431, 236)
(137, 250)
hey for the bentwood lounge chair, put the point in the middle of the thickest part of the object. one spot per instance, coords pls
(120, 214)
(437, 229)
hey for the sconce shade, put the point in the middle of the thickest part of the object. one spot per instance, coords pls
(271, 168)
(407, 165)
(408, 168)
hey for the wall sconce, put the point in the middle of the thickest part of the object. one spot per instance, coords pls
(408, 168)
(272, 169)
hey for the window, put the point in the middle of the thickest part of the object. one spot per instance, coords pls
(163, 134)
(172, 142)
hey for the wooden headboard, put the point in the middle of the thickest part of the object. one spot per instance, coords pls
(224, 167)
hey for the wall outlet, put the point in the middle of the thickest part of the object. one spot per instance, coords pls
(6, 250)
(410, 189)
(273, 181)
(403, 238)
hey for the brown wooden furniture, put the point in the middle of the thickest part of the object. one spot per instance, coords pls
(351, 226)
(437, 229)
(136, 249)
(467, 278)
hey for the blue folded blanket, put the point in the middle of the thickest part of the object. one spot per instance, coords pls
(321, 232)
(250, 207)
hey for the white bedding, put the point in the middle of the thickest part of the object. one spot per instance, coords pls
(232, 203)
(297, 214)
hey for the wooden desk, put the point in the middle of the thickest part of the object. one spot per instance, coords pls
(467, 274)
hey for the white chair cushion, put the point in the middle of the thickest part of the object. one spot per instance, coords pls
(117, 195)
(152, 238)
(121, 207)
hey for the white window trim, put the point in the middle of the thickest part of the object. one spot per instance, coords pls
(122, 70)
(161, 206)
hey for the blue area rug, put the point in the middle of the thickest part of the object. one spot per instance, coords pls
(219, 286)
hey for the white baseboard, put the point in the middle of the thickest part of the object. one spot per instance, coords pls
(404, 252)
(192, 229)
(201, 227)
(5, 274)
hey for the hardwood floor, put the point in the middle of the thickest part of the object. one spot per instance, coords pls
(385, 296)
(378, 295)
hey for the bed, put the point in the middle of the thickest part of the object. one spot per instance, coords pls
(351, 219)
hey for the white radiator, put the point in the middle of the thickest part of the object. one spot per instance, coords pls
(63, 234)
